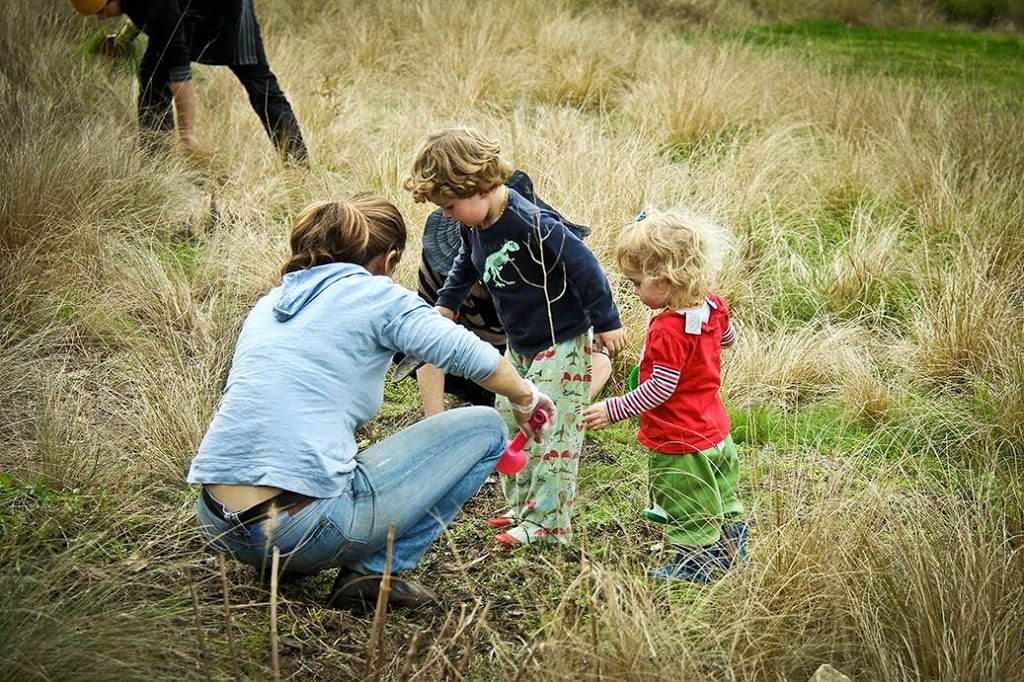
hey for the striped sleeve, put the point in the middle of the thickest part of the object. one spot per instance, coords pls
(477, 314)
(646, 396)
(728, 336)
(430, 280)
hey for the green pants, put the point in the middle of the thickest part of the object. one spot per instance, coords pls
(696, 493)
(541, 495)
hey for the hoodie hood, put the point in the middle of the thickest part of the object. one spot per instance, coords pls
(302, 286)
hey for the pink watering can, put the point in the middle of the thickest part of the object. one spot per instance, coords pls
(514, 457)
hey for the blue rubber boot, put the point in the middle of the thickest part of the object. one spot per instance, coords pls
(696, 564)
(731, 548)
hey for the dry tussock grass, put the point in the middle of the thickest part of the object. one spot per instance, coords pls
(913, 14)
(877, 268)
(696, 92)
(929, 574)
(956, 341)
(790, 368)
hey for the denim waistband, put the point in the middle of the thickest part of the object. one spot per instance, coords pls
(284, 501)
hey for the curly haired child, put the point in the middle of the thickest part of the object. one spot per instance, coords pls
(672, 258)
(552, 298)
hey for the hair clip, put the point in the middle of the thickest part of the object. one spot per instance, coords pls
(641, 216)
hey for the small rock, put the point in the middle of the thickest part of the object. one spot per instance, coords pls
(291, 643)
(826, 673)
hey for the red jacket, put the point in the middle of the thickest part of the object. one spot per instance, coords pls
(694, 417)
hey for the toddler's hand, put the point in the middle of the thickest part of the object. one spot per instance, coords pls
(614, 341)
(595, 417)
(445, 312)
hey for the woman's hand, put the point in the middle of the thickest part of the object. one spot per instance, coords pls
(445, 312)
(522, 395)
(523, 413)
(595, 417)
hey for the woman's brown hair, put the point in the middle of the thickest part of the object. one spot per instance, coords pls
(354, 230)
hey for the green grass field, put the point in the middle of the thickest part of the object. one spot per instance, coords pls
(991, 62)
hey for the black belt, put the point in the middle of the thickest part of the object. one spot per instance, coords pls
(283, 501)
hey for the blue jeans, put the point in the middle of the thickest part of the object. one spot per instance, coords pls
(417, 479)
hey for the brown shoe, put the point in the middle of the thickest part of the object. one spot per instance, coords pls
(358, 590)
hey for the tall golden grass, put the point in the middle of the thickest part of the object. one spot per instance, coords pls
(878, 268)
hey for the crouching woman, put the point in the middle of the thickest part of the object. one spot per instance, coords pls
(279, 464)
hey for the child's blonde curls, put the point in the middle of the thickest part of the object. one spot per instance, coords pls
(684, 248)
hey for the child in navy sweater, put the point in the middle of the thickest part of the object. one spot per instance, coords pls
(553, 300)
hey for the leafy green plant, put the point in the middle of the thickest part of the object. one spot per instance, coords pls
(120, 46)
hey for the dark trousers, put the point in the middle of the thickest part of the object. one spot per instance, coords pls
(468, 391)
(270, 104)
(156, 104)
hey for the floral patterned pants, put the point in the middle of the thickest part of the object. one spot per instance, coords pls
(542, 494)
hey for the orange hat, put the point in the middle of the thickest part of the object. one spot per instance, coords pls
(88, 6)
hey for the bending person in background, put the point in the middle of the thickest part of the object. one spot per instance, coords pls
(279, 465)
(218, 32)
(441, 242)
